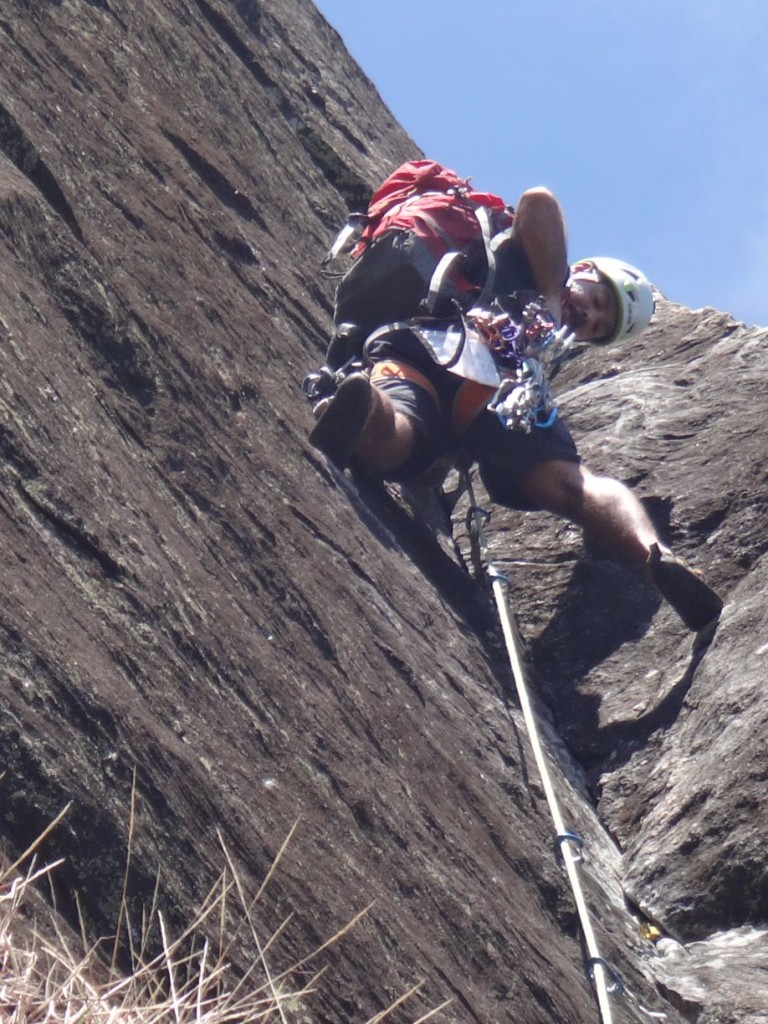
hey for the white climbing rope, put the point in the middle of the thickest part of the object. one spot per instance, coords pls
(602, 975)
(569, 843)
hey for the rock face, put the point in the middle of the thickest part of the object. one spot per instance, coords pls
(190, 595)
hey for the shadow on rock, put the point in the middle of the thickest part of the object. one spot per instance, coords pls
(605, 611)
(606, 606)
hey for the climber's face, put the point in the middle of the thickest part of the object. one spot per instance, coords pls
(590, 309)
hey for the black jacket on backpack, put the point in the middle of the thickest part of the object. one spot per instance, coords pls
(390, 282)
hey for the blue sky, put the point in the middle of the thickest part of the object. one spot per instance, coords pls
(649, 121)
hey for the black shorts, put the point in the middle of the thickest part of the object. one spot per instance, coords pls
(504, 457)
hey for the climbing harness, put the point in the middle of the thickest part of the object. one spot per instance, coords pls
(568, 844)
(513, 356)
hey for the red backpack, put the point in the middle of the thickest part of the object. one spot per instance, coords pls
(436, 205)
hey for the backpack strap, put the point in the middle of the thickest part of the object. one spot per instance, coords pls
(483, 215)
(442, 271)
(448, 261)
(432, 223)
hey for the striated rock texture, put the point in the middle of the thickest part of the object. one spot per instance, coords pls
(191, 595)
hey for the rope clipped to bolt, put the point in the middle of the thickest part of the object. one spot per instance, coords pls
(604, 977)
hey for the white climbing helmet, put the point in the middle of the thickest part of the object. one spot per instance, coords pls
(634, 294)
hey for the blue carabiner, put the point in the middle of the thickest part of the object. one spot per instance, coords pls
(549, 420)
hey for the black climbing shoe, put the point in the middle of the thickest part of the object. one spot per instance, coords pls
(339, 428)
(695, 602)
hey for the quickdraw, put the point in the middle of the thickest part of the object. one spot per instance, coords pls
(526, 353)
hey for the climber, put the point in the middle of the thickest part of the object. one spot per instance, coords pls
(391, 278)
(406, 415)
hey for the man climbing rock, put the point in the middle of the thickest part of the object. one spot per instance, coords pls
(408, 411)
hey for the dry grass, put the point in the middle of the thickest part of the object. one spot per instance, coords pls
(44, 980)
